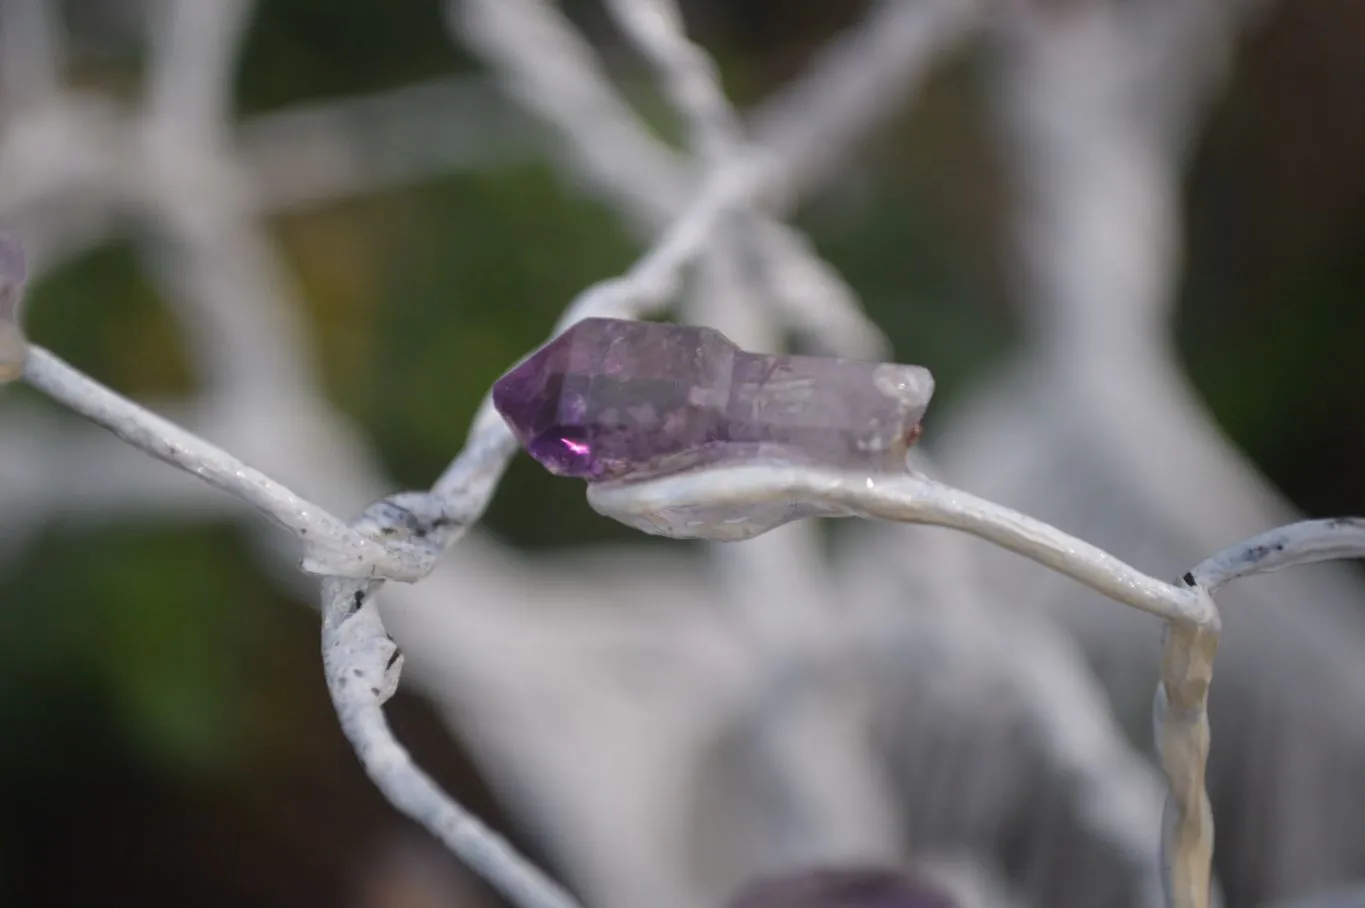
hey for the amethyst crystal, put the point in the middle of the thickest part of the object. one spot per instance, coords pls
(842, 888)
(609, 399)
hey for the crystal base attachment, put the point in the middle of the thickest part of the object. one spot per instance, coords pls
(614, 399)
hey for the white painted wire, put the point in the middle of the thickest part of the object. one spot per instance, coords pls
(171, 162)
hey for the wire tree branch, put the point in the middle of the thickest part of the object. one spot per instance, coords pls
(332, 547)
(223, 279)
(552, 71)
(438, 519)
(1181, 719)
(856, 83)
(713, 501)
(321, 151)
(191, 80)
(462, 493)
(1181, 712)
(826, 795)
(798, 285)
(905, 498)
(690, 208)
(549, 67)
(987, 652)
(472, 477)
(1305, 542)
(688, 75)
(362, 667)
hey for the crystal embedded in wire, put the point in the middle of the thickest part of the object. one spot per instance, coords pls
(610, 398)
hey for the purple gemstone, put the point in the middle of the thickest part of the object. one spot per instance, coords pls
(842, 888)
(610, 398)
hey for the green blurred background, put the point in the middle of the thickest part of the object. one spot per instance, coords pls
(167, 738)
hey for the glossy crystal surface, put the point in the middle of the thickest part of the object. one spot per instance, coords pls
(611, 398)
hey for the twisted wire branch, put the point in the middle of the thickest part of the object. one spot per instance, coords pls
(332, 547)
(415, 526)
(362, 673)
(756, 280)
(1181, 707)
(905, 498)
(550, 69)
(1181, 719)
(362, 664)
(1305, 542)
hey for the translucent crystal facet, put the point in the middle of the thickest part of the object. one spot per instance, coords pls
(611, 398)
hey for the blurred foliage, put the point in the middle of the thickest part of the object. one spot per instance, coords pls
(1271, 319)
(148, 633)
(305, 49)
(104, 316)
(136, 653)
